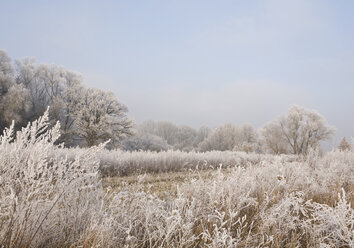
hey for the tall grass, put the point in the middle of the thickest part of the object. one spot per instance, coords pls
(49, 199)
(45, 199)
(124, 163)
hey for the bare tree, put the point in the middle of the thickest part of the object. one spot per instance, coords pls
(178, 137)
(28, 90)
(230, 137)
(272, 139)
(100, 116)
(247, 140)
(185, 138)
(145, 142)
(65, 106)
(6, 81)
(6, 73)
(28, 74)
(344, 145)
(302, 129)
(167, 131)
(203, 133)
(15, 104)
(54, 86)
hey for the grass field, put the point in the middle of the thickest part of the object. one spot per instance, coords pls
(51, 200)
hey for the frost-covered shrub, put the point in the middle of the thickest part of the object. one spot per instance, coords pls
(334, 226)
(288, 221)
(273, 203)
(122, 163)
(45, 199)
(53, 197)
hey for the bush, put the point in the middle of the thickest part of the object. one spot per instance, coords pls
(45, 199)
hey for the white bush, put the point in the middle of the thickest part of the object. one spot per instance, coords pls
(45, 199)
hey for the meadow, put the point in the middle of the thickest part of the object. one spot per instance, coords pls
(56, 197)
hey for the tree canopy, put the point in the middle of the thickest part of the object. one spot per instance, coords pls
(87, 116)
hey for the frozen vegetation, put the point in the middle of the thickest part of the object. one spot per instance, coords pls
(124, 163)
(48, 199)
(90, 116)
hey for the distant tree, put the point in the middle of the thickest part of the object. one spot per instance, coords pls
(185, 138)
(6, 81)
(100, 116)
(149, 126)
(178, 137)
(230, 137)
(28, 88)
(54, 86)
(46, 85)
(6, 73)
(302, 129)
(27, 74)
(65, 107)
(203, 133)
(344, 145)
(15, 104)
(221, 139)
(247, 140)
(167, 131)
(272, 139)
(145, 142)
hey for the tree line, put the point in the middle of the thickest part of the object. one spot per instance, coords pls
(297, 132)
(89, 116)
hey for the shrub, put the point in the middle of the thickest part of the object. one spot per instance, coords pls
(45, 199)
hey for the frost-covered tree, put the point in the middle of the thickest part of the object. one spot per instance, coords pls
(28, 88)
(6, 81)
(100, 116)
(231, 137)
(6, 73)
(53, 80)
(178, 137)
(203, 133)
(54, 86)
(15, 104)
(304, 129)
(186, 138)
(27, 74)
(168, 131)
(222, 139)
(145, 142)
(165, 130)
(149, 126)
(301, 129)
(64, 108)
(272, 139)
(344, 145)
(247, 140)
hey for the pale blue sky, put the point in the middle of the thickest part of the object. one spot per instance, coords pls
(198, 62)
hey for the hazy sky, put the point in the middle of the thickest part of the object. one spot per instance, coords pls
(198, 62)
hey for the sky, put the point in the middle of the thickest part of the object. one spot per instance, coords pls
(198, 62)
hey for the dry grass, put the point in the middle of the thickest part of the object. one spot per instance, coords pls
(123, 163)
(164, 185)
(47, 200)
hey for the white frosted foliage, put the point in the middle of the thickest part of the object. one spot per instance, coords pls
(45, 199)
